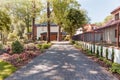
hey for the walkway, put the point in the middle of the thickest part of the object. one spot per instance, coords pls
(62, 62)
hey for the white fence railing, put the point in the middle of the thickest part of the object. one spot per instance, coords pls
(110, 50)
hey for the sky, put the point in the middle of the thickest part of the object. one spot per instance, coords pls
(98, 9)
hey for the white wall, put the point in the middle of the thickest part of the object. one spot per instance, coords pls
(43, 29)
(109, 35)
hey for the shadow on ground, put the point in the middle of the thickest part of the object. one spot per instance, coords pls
(62, 62)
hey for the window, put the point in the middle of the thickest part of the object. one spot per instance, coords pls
(117, 16)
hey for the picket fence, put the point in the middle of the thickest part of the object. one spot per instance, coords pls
(91, 47)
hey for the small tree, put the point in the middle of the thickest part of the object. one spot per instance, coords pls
(17, 47)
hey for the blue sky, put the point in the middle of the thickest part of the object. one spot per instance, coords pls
(99, 9)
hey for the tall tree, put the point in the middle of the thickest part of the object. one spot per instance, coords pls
(60, 8)
(75, 19)
(25, 10)
(48, 22)
(5, 22)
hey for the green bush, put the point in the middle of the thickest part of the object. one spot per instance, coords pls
(46, 46)
(112, 56)
(67, 38)
(101, 50)
(39, 46)
(91, 49)
(17, 47)
(77, 46)
(106, 53)
(97, 54)
(72, 42)
(115, 68)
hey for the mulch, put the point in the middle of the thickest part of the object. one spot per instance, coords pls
(19, 60)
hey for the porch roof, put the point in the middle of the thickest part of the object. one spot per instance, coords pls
(109, 24)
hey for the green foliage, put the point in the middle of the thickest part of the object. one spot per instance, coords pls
(89, 53)
(67, 38)
(1, 46)
(74, 20)
(39, 46)
(106, 53)
(107, 19)
(115, 68)
(17, 47)
(72, 42)
(77, 46)
(107, 62)
(101, 51)
(112, 56)
(97, 54)
(5, 21)
(46, 46)
(91, 49)
(6, 69)
(12, 36)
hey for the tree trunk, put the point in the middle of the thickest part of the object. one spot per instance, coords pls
(33, 22)
(48, 23)
(59, 33)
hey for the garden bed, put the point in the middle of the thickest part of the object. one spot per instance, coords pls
(21, 59)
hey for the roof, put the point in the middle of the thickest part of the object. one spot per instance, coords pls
(64, 33)
(89, 27)
(45, 24)
(115, 10)
(109, 24)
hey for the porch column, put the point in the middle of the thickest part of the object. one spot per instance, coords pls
(118, 35)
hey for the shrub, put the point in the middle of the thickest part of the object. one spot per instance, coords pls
(91, 49)
(72, 42)
(46, 46)
(101, 50)
(17, 47)
(97, 54)
(77, 46)
(67, 38)
(39, 46)
(115, 68)
(106, 53)
(112, 56)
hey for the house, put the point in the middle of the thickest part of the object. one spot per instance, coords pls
(41, 31)
(109, 33)
(85, 33)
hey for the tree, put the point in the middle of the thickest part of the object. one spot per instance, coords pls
(75, 19)
(60, 9)
(25, 11)
(107, 19)
(5, 22)
(48, 26)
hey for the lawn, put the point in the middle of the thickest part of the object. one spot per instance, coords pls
(6, 69)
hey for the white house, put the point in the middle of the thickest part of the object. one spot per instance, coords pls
(42, 28)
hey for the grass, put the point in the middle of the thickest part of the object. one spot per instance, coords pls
(6, 69)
